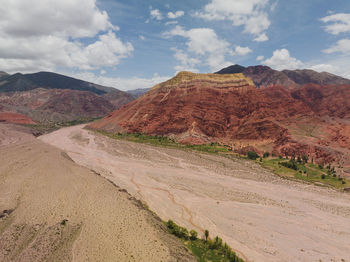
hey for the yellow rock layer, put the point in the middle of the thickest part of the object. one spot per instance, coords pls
(184, 77)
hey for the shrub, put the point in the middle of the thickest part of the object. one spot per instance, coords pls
(323, 176)
(252, 155)
(193, 234)
(266, 154)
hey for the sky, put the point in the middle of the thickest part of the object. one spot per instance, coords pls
(130, 44)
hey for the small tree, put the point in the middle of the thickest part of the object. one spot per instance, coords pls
(266, 154)
(206, 234)
(252, 155)
(305, 158)
(299, 159)
(193, 234)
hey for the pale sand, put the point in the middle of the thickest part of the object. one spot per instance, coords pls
(44, 186)
(262, 216)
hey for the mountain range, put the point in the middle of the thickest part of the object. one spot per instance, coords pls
(264, 76)
(289, 112)
(285, 113)
(50, 97)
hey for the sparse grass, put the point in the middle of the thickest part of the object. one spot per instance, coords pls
(164, 141)
(307, 172)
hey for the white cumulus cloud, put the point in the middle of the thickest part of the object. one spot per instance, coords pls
(248, 13)
(239, 50)
(281, 59)
(260, 58)
(46, 35)
(120, 83)
(339, 23)
(175, 15)
(204, 45)
(156, 14)
(342, 46)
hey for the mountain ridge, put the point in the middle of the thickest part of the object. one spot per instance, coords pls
(264, 76)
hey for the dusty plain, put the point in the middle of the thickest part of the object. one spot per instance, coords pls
(262, 216)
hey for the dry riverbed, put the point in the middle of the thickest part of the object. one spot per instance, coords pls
(263, 217)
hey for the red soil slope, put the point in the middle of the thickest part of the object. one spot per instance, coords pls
(15, 118)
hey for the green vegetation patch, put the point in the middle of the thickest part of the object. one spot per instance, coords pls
(164, 141)
(305, 171)
(204, 250)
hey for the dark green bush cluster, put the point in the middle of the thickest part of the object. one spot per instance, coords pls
(290, 164)
(223, 249)
(266, 154)
(215, 244)
(178, 231)
(252, 155)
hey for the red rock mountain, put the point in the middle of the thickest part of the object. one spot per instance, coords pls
(229, 109)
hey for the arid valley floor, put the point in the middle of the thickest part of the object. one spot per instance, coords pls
(55, 210)
(263, 217)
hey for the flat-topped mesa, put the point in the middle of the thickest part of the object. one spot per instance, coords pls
(214, 80)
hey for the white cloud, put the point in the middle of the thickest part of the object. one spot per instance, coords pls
(340, 23)
(274, 6)
(171, 23)
(46, 35)
(261, 38)
(342, 46)
(175, 15)
(121, 83)
(325, 68)
(43, 17)
(156, 14)
(142, 37)
(239, 50)
(281, 59)
(187, 63)
(248, 13)
(260, 58)
(204, 45)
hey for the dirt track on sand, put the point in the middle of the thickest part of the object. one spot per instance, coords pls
(264, 217)
(52, 209)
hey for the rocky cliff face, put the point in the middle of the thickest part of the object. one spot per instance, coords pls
(229, 109)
